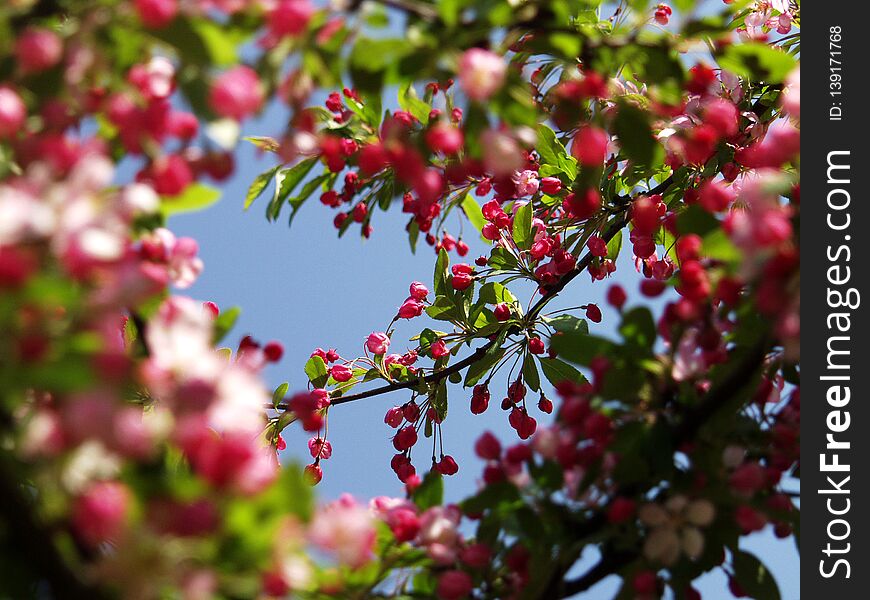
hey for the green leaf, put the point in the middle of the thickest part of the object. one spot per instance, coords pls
(502, 260)
(472, 210)
(224, 323)
(286, 181)
(636, 137)
(569, 324)
(502, 494)
(717, 245)
(530, 373)
(753, 576)
(264, 143)
(476, 371)
(279, 393)
(258, 186)
(552, 152)
(439, 400)
(195, 197)
(440, 279)
(413, 235)
(695, 219)
(430, 492)
(316, 370)
(443, 309)
(614, 246)
(556, 371)
(757, 61)
(427, 338)
(493, 292)
(449, 11)
(523, 226)
(410, 102)
(305, 193)
(638, 327)
(580, 348)
(220, 41)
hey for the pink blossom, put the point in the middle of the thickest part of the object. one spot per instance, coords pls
(12, 112)
(346, 529)
(526, 183)
(154, 79)
(290, 17)
(791, 94)
(178, 254)
(38, 49)
(453, 585)
(320, 448)
(688, 361)
(590, 146)
(156, 13)
(439, 532)
(100, 513)
(481, 73)
(501, 153)
(237, 93)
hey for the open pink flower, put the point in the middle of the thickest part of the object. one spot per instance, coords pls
(481, 73)
(345, 529)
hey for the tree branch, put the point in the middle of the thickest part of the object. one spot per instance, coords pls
(478, 354)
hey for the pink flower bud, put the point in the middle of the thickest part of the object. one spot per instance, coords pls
(156, 13)
(38, 49)
(445, 139)
(169, 175)
(273, 351)
(461, 279)
(418, 291)
(289, 17)
(359, 212)
(236, 93)
(410, 308)
(476, 556)
(405, 438)
(722, 116)
(341, 373)
(583, 205)
(439, 349)
(378, 343)
(714, 196)
(597, 246)
(502, 311)
(487, 446)
(313, 474)
(590, 146)
(394, 417)
(453, 585)
(12, 112)
(447, 466)
(593, 313)
(100, 513)
(616, 296)
(551, 185)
